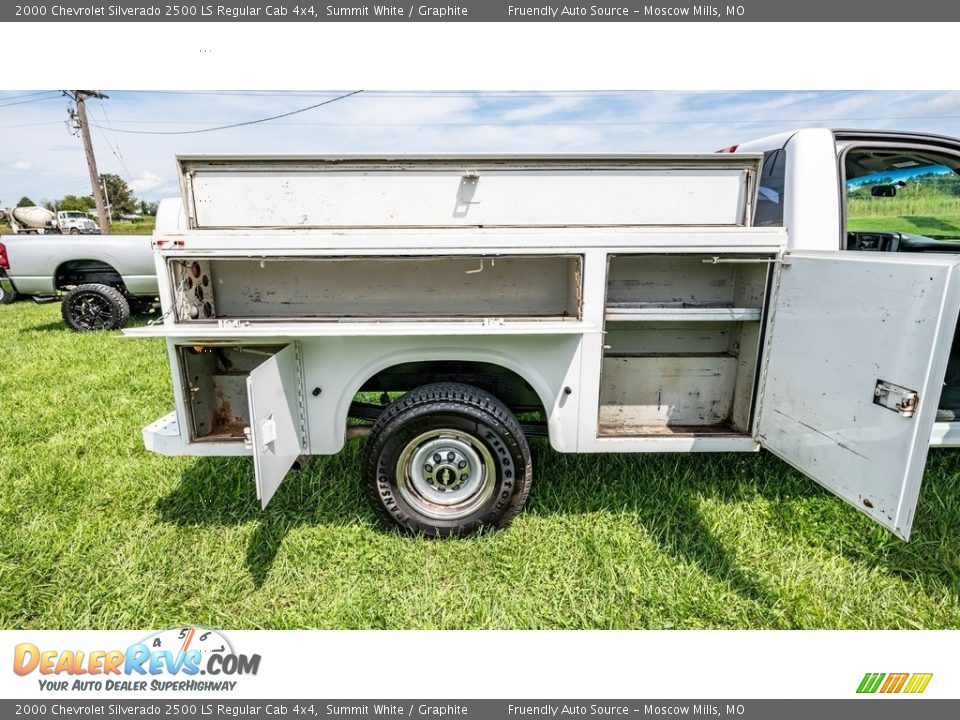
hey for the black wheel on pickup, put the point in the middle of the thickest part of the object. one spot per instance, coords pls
(7, 297)
(447, 459)
(92, 307)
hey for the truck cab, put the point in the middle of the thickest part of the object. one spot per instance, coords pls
(74, 222)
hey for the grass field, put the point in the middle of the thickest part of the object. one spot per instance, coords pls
(141, 227)
(943, 225)
(917, 209)
(95, 532)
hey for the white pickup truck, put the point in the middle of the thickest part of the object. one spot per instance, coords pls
(102, 278)
(779, 295)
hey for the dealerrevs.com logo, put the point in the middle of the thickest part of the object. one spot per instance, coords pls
(891, 683)
(172, 659)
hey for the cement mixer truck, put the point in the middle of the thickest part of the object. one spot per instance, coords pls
(40, 221)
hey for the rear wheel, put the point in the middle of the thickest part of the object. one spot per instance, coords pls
(447, 459)
(6, 297)
(92, 307)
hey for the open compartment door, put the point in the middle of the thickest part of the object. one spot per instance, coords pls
(856, 352)
(277, 423)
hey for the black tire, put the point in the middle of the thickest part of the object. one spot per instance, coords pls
(481, 480)
(92, 307)
(7, 297)
(74, 231)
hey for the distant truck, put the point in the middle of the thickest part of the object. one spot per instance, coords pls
(104, 278)
(41, 221)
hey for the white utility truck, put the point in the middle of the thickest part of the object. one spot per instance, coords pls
(612, 303)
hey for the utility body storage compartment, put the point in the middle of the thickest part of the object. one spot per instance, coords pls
(432, 191)
(250, 394)
(682, 344)
(378, 288)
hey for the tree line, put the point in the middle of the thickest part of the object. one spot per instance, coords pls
(120, 197)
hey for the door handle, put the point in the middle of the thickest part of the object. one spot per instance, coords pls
(896, 398)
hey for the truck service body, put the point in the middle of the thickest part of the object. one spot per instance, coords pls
(614, 303)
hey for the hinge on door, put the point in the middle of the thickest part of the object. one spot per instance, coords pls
(894, 397)
(301, 406)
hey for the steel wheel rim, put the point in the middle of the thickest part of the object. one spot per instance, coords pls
(91, 311)
(456, 485)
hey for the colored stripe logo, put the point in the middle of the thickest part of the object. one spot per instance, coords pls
(894, 683)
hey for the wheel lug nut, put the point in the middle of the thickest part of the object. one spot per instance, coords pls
(450, 457)
(428, 468)
(437, 458)
(464, 477)
(462, 464)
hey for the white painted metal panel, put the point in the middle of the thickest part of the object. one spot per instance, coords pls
(469, 192)
(945, 434)
(658, 391)
(163, 436)
(275, 391)
(840, 323)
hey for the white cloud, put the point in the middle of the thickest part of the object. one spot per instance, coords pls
(146, 182)
(541, 108)
(449, 122)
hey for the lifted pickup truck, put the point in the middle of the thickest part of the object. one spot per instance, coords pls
(101, 277)
(766, 297)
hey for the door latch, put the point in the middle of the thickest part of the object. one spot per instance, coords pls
(268, 433)
(893, 397)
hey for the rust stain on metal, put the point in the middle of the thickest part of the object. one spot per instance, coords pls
(224, 421)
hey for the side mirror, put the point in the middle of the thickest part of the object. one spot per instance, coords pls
(884, 191)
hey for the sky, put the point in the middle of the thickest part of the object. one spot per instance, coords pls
(137, 134)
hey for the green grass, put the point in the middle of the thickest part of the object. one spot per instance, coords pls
(140, 227)
(95, 532)
(941, 225)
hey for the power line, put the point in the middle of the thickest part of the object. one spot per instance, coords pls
(239, 124)
(27, 125)
(472, 93)
(482, 123)
(32, 100)
(26, 95)
(115, 150)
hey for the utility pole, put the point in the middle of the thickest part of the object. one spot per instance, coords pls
(106, 197)
(80, 123)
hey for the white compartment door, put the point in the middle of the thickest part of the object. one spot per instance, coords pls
(853, 369)
(277, 428)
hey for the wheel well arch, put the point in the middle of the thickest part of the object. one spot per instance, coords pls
(504, 383)
(525, 387)
(76, 272)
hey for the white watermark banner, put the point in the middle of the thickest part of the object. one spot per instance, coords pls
(204, 663)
